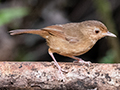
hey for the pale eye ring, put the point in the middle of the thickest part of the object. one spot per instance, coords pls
(97, 31)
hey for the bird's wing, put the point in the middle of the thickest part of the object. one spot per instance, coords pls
(55, 30)
(60, 31)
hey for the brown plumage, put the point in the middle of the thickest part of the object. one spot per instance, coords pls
(71, 39)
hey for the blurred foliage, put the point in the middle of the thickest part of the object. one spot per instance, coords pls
(9, 14)
(109, 58)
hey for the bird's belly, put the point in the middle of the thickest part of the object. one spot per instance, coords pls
(66, 48)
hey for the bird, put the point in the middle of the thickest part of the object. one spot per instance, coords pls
(70, 39)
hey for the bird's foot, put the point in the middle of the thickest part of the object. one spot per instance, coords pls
(79, 60)
(60, 71)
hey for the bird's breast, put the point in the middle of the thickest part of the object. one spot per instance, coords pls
(63, 47)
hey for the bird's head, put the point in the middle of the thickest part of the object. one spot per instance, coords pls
(96, 29)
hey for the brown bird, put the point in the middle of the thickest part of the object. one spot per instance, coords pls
(71, 39)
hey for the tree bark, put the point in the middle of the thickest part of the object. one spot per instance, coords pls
(45, 75)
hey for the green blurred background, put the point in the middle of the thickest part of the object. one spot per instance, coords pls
(29, 14)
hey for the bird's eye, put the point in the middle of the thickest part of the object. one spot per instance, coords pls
(97, 31)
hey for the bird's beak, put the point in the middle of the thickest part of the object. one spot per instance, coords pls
(109, 34)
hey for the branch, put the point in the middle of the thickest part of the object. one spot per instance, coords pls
(44, 75)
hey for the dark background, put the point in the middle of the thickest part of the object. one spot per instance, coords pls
(29, 14)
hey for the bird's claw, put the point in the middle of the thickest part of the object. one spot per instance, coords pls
(82, 62)
(59, 68)
(62, 77)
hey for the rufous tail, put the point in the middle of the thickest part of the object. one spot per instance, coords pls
(21, 31)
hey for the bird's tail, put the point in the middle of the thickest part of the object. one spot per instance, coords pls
(21, 31)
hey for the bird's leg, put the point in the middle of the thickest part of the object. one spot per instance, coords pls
(58, 66)
(79, 60)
